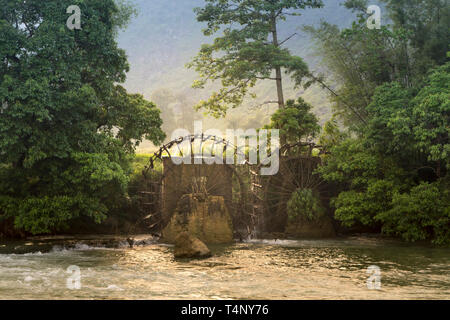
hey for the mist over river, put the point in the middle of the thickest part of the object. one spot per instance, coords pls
(259, 269)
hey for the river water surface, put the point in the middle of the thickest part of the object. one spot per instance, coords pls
(325, 269)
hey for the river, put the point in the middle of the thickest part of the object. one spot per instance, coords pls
(259, 269)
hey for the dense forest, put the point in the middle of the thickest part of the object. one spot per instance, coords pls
(69, 130)
(392, 159)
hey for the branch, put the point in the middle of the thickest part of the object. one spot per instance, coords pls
(300, 144)
(30, 31)
(324, 85)
(267, 78)
(280, 12)
(264, 103)
(289, 38)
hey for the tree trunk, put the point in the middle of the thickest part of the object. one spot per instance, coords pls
(279, 79)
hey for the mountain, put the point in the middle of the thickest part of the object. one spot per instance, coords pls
(166, 35)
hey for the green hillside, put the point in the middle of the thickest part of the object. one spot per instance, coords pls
(165, 36)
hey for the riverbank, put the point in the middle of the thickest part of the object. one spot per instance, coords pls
(45, 244)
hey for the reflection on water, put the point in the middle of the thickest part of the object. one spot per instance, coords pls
(332, 269)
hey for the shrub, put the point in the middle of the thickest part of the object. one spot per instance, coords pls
(305, 203)
(421, 214)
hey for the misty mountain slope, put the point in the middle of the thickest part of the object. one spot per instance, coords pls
(166, 35)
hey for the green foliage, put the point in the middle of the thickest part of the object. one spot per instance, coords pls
(296, 122)
(427, 23)
(133, 211)
(304, 203)
(390, 175)
(431, 112)
(139, 181)
(361, 59)
(393, 94)
(353, 206)
(423, 213)
(389, 124)
(248, 49)
(47, 214)
(331, 134)
(67, 129)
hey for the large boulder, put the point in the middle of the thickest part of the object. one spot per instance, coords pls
(187, 246)
(204, 217)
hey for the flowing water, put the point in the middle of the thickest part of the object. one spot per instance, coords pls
(315, 269)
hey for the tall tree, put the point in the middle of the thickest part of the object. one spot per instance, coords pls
(66, 127)
(413, 39)
(247, 50)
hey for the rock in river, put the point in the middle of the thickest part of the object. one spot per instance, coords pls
(204, 217)
(187, 246)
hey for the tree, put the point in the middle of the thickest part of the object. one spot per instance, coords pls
(332, 135)
(431, 112)
(391, 91)
(395, 175)
(427, 23)
(249, 49)
(421, 214)
(67, 129)
(359, 59)
(305, 204)
(296, 122)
